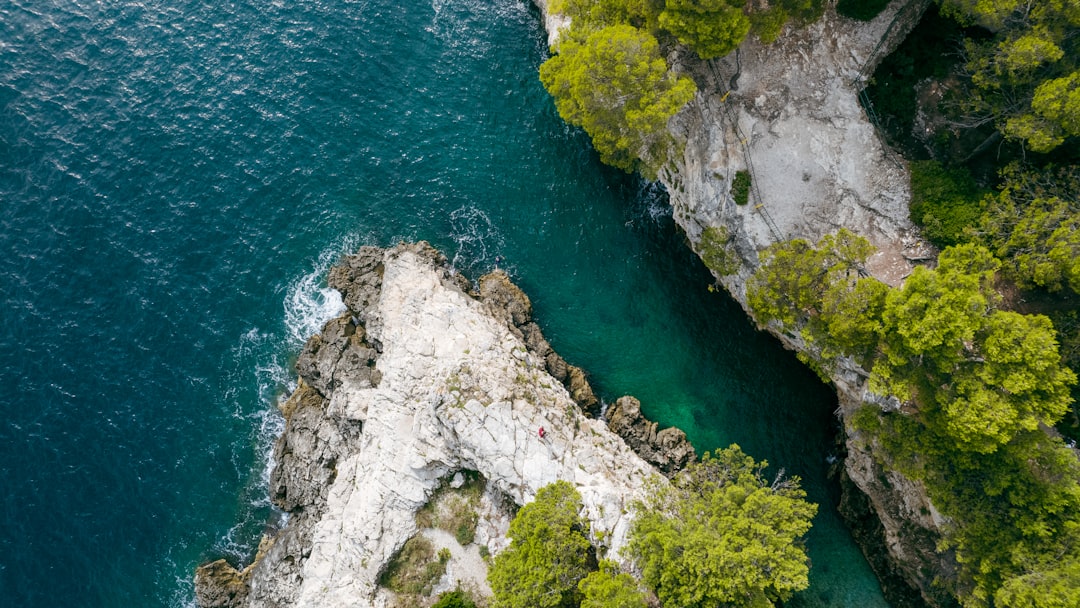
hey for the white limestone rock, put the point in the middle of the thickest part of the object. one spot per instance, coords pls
(454, 387)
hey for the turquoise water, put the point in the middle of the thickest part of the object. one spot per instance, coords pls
(177, 176)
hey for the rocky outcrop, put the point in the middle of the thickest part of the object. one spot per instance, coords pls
(220, 585)
(507, 302)
(668, 450)
(788, 114)
(417, 380)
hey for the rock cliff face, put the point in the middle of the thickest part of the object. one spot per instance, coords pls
(417, 380)
(788, 114)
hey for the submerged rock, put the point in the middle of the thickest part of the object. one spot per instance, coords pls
(419, 380)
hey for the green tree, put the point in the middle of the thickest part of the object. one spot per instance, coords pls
(1033, 224)
(1026, 77)
(614, 84)
(711, 28)
(851, 312)
(548, 554)
(944, 201)
(596, 14)
(721, 534)
(788, 284)
(609, 588)
(1056, 586)
(1011, 382)
(928, 324)
(793, 275)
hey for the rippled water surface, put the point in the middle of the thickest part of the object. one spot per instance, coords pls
(175, 179)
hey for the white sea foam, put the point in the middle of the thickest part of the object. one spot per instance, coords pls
(310, 303)
(260, 378)
(477, 240)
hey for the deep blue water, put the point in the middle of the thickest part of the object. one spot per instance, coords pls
(177, 176)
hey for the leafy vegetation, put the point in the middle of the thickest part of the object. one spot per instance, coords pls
(614, 84)
(717, 250)
(1033, 224)
(721, 534)
(821, 293)
(454, 599)
(548, 555)
(944, 201)
(740, 187)
(978, 385)
(711, 28)
(609, 588)
(415, 569)
(1025, 77)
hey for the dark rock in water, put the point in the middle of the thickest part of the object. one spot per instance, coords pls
(507, 302)
(667, 450)
(581, 392)
(306, 453)
(359, 278)
(556, 366)
(505, 299)
(340, 349)
(534, 339)
(219, 585)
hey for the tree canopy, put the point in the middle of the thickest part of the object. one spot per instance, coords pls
(978, 381)
(721, 534)
(711, 28)
(614, 84)
(1026, 77)
(609, 588)
(1033, 224)
(548, 554)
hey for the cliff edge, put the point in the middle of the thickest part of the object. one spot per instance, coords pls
(422, 379)
(788, 116)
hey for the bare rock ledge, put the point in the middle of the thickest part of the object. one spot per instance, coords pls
(420, 379)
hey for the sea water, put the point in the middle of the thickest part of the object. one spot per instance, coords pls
(176, 177)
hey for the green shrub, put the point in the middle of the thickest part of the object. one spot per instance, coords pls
(717, 250)
(415, 569)
(944, 201)
(609, 588)
(454, 599)
(740, 187)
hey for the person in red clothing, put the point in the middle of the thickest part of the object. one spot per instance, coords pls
(542, 432)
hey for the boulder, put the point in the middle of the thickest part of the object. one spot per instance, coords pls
(667, 449)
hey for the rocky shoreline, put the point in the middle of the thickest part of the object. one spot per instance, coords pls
(788, 115)
(423, 378)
